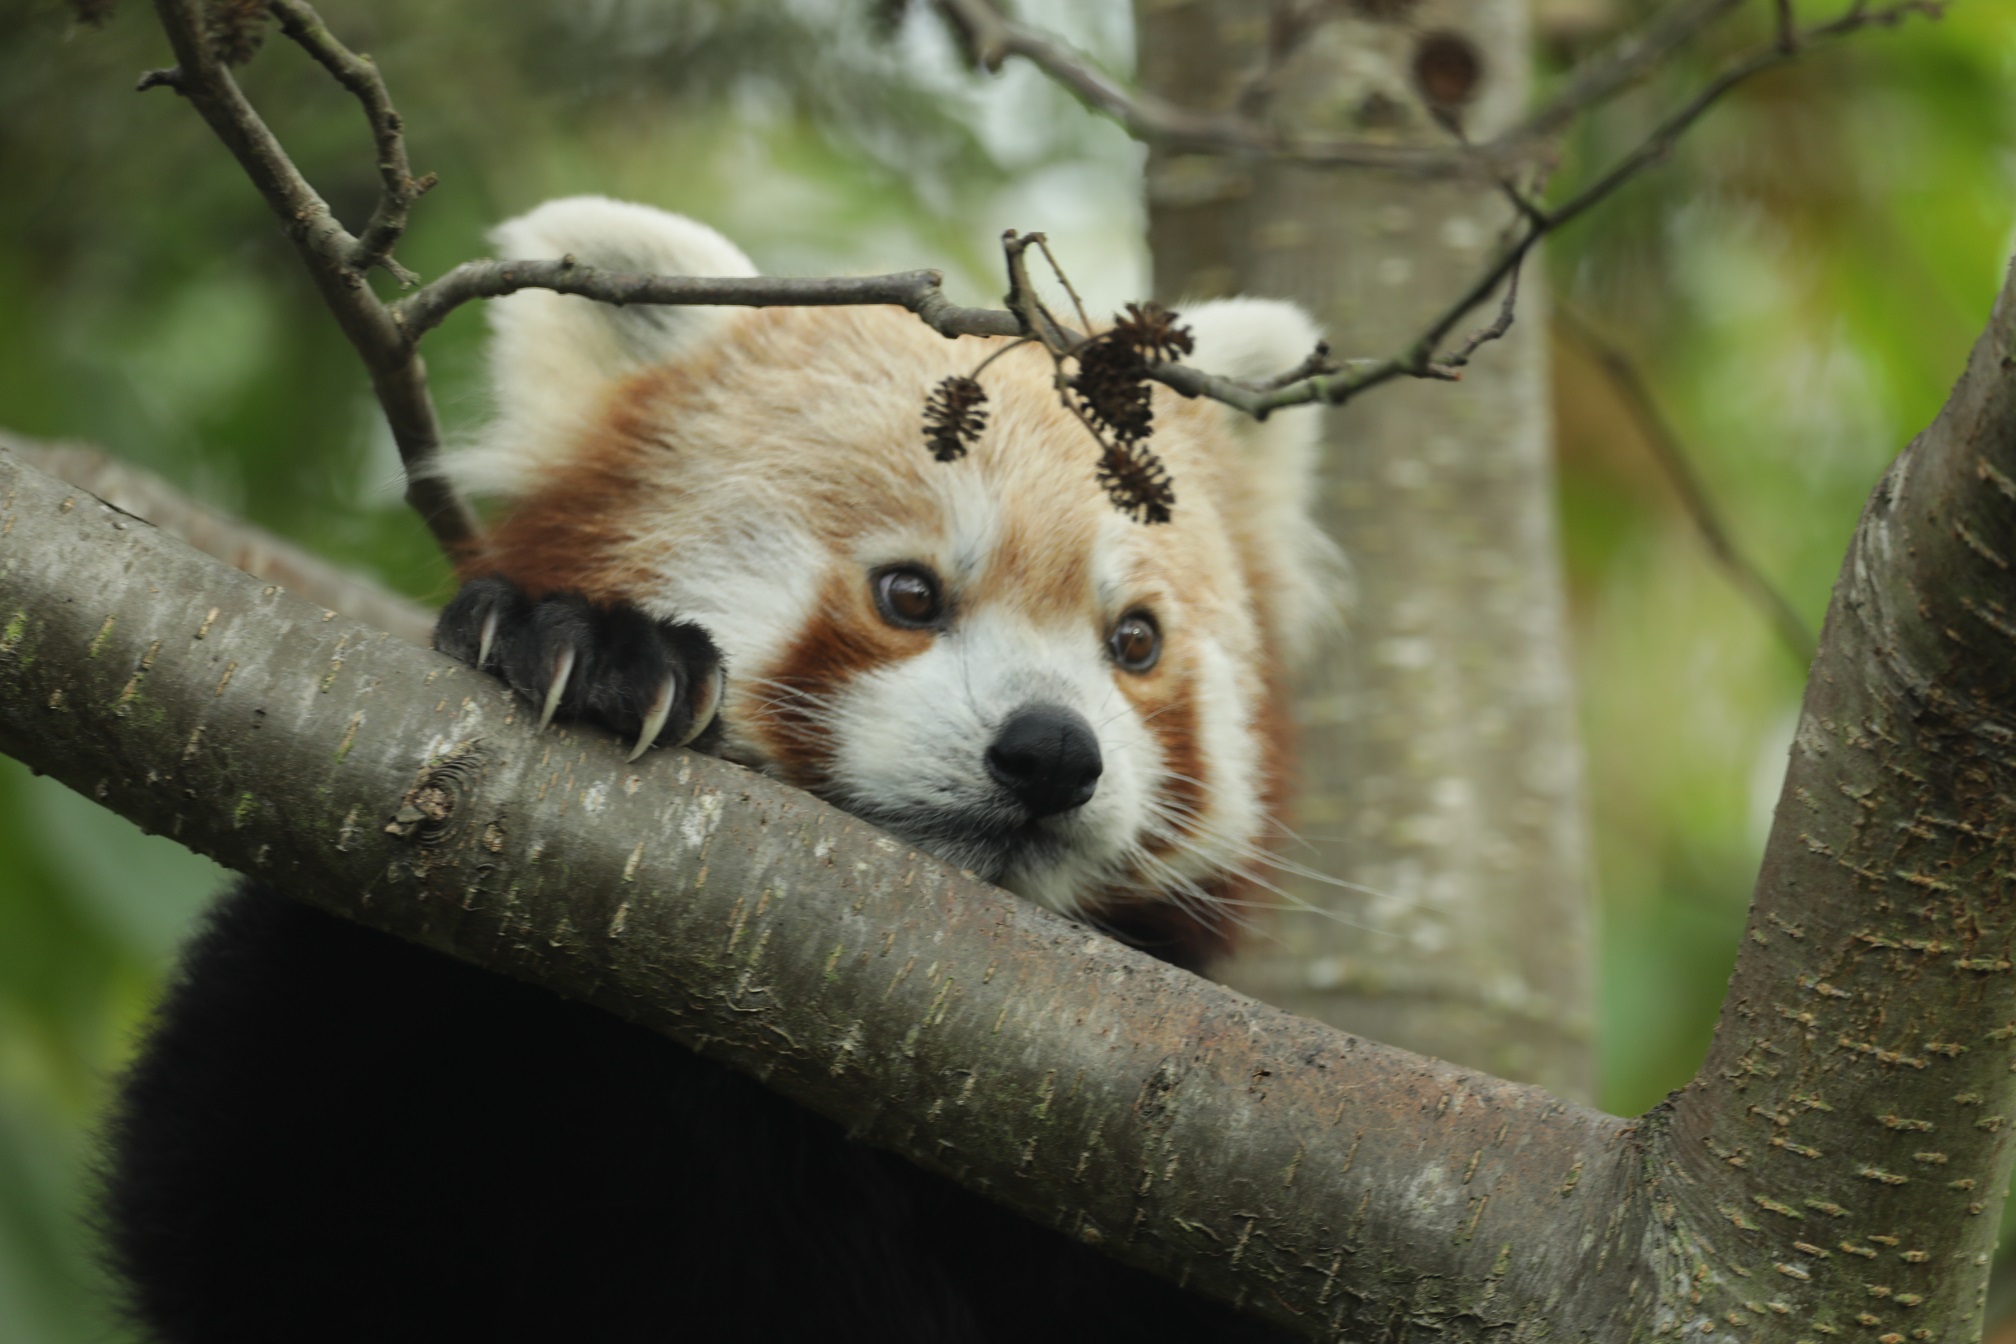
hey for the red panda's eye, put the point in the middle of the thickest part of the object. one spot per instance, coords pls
(908, 597)
(1136, 642)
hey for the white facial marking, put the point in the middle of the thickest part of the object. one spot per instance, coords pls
(911, 742)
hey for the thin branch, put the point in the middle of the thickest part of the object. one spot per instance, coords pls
(399, 188)
(1420, 360)
(1077, 304)
(331, 254)
(386, 337)
(1032, 317)
(921, 292)
(994, 38)
(1671, 453)
(1315, 362)
(1627, 62)
(1494, 331)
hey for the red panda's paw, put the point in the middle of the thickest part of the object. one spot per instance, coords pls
(655, 683)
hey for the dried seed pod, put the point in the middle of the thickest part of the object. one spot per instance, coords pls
(235, 28)
(1137, 482)
(1112, 382)
(1154, 331)
(954, 415)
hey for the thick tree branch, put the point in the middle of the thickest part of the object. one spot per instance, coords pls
(135, 490)
(1858, 1093)
(1257, 1156)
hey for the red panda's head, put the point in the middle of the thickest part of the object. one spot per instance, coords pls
(983, 657)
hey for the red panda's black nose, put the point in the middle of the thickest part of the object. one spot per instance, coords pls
(1048, 757)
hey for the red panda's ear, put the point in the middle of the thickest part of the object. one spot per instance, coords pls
(1272, 486)
(551, 355)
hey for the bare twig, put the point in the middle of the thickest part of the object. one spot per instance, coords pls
(1077, 304)
(1420, 360)
(1494, 331)
(385, 336)
(1627, 62)
(332, 256)
(1032, 318)
(1671, 454)
(359, 74)
(1315, 362)
(994, 38)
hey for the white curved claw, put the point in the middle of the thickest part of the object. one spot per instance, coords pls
(706, 703)
(563, 667)
(655, 716)
(488, 638)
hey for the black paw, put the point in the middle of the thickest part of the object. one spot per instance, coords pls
(656, 683)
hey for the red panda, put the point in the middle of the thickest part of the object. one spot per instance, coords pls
(722, 526)
(762, 474)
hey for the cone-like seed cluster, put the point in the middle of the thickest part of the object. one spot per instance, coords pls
(235, 28)
(954, 415)
(1110, 389)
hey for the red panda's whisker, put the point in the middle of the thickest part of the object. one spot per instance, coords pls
(1250, 856)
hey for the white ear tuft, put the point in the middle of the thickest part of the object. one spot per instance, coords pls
(1309, 579)
(551, 355)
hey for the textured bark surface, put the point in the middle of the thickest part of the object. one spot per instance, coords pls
(1264, 1158)
(236, 542)
(1834, 1172)
(1860, 1079)
(1438, 739)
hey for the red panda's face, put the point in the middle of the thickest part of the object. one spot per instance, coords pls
(982, 657)
(1029, 714)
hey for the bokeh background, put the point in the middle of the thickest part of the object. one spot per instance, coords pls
(1798, 285)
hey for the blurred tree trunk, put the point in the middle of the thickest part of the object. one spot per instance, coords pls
(1438, 749)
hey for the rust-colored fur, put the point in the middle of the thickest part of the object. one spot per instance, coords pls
(753, 470)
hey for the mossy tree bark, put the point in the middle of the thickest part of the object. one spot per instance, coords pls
(1439, 754)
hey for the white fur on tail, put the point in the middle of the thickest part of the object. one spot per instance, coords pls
(552, 355)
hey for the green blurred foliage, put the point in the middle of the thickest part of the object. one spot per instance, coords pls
(1799, 283)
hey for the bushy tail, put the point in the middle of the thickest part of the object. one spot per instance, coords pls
(552, 355)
